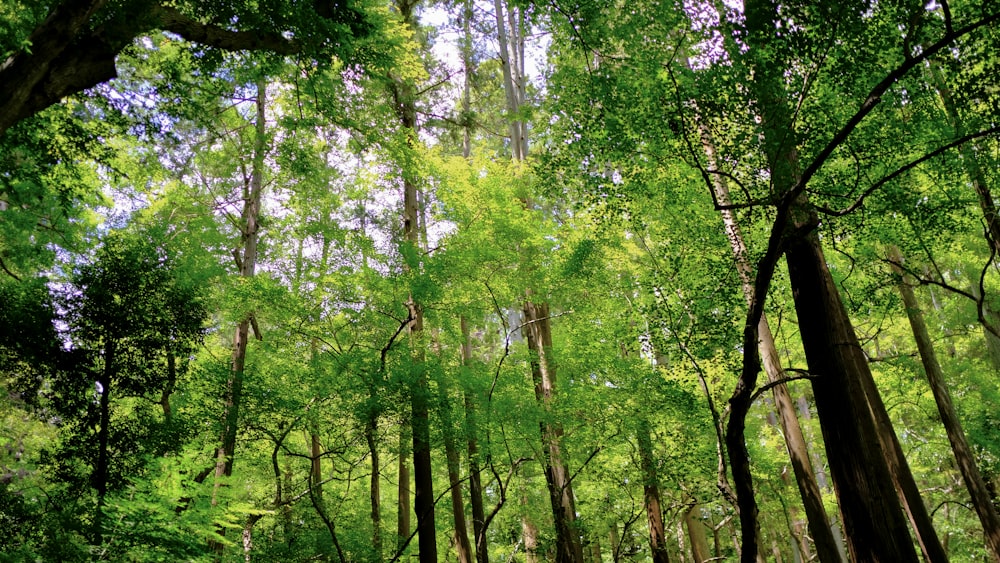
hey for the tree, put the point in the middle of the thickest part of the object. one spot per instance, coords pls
(133, 318)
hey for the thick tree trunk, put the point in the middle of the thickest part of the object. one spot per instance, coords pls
(536, 321)
(68, 53)
(539, 335)
(798, 453)
(651, 495)
(529, 533)
(696, 535)
(873, 521)
(846, 398)
(946, 409)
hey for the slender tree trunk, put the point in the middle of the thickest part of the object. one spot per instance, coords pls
(539, 335)
(946, 409)
(404, 93)
(316, 469)
(475, 482)
(375, 490)
(463, 550)
(538, 329)
(100, 478)
(403, 488)
(510, 91)
(651, 495)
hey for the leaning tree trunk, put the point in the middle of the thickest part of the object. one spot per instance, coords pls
(946, 409)
(798, 453)
(846, 398)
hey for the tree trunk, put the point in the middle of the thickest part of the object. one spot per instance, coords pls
(404, 93)
(529, 532)
(538, 329)
(953, 427)
(846, 398)
(696, 535)
(316, 469)
(510, 91)
(651, 495)
(100, 478)
(375, 491)
(246, 262)
(539, 335)
(475, 482)
(403, 488)
(463, 550)
(798, 453)
(873, 522)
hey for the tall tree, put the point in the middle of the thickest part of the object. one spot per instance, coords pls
(246, 257)
(404, 96)
(964, 456)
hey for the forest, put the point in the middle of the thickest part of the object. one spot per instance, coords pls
(576, 281)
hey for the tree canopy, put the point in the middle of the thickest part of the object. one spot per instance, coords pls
(569, 281)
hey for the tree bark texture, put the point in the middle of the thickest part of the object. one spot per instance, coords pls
(873, 520)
